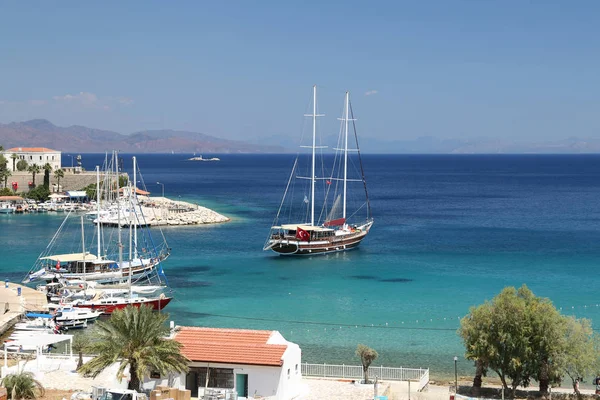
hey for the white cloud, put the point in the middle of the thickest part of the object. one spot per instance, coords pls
(37, 102)
(85, 98)
(126, 101)
(371, 92)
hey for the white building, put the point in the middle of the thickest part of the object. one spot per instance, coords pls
(33, 155)
(249, 363)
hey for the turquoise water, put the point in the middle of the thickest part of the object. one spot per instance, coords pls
(450, 232)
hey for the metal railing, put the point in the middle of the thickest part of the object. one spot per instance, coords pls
(355, 372)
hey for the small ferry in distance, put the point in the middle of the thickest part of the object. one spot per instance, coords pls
(203, 159)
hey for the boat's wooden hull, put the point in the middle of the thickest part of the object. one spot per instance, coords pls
(302, 248)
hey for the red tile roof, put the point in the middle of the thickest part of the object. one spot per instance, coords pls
(230, 346)
(31, 150)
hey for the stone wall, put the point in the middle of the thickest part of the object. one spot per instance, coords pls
(71, 181)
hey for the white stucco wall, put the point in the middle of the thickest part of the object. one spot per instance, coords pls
(269, 382)
(34, 157)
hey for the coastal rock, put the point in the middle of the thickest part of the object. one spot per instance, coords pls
(162, 211)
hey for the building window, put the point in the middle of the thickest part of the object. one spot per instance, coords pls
(222, 378)
(296, 369)
(41, 158)
(288, 373)
(52, 158)
(31, 157)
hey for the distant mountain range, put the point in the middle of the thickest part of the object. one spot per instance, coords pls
(76, 138)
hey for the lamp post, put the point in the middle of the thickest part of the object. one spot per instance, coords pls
(455, 375)
(163, 188)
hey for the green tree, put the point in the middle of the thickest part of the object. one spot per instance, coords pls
(58, 174)
(523, 337)
(22, 385)
(90, 191)
(546, 340)
(80, 345)
(47, 169)
(14, 157)
(581, 357)
(3, 162)
(6, 192)
(22, 165)
(367, 356)
(34, 169)
(123, 180)
(39, 193)
(4, 175)
(497, 334)
(135, 337)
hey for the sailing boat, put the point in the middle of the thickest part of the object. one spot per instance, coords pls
(335, 226)
(54, 264)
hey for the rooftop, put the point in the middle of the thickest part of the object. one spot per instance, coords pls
(31, 150)
(230, 346)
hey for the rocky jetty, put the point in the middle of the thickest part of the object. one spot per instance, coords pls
(163, 211)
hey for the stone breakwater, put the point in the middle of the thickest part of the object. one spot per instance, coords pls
(162, 211)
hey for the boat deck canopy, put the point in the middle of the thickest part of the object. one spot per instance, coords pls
(309, 228)
(70, 257)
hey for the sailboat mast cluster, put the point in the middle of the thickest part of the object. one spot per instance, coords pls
(88, 280)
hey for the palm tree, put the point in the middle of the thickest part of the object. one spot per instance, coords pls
(22, 385)
(14, 157)
(367, 356)
(80, 344)
(59, 173)
(4, 175)
(136, 337)
(47, 169)
(34, 169)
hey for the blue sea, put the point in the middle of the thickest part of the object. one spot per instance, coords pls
(450, 232)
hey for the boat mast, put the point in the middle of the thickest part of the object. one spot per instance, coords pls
(83, 245)
(119, 217)
(314, 143)
(130, 222)
(345, 153)
(134, 204)
(98, 206)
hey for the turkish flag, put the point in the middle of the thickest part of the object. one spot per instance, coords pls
(302, 234)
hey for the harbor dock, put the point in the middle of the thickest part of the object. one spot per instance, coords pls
(15, 301)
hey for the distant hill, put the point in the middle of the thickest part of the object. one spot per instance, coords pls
(75, 138)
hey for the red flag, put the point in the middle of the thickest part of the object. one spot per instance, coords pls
(302, 234)
(328, 182)
(58, 264)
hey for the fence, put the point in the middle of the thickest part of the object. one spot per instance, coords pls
(355, 372)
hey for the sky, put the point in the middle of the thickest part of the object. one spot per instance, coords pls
(512, 69)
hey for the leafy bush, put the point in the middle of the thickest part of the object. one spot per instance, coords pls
(22, 385)
(39, 193)
(22, 165)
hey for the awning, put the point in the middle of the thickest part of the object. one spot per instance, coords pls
(292, 227)
(57, 196)
(137, 191)
(70, 257)
(38, 339)
(76, 193)
(38, 315)
(11, 198)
